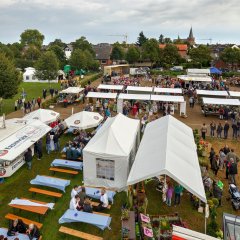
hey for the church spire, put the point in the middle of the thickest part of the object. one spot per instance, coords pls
(191, 34)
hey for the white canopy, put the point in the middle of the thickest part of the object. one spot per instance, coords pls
(168, 147)
(110, 153)
(221, 101)
(167, 98)
(111, 87)
(84, 120)
(139, 89)
(102, 95)
(167, 90)
(234, 94)
(72, 90)
(212, 93)
(134, 96)
(198, 71)
(194, 79)
(21, 139)
(44, 115)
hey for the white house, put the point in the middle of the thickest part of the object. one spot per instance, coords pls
(29, 75)
(68, 50)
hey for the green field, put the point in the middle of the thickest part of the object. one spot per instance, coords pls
(33, 90)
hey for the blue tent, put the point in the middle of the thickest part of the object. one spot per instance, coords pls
(214, 70)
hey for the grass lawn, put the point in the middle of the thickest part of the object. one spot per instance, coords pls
(33, 90)
(18, 185)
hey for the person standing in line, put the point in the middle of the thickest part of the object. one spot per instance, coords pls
(39, 149)
(233, 171)
(212, 128)
(235, 130)
(204, 131)
(211, 157)
(219, 130)
(178, 192)
(225, 129)
(48, 147)
(56, 142)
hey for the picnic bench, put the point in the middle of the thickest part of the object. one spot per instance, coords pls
(65, 156)
(95, 204)
(45, 192)
(13, 217)
(79, 234)
(61, 170)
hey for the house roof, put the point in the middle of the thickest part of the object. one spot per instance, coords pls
(103, 51)
(180, 47)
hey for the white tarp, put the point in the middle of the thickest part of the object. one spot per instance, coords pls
(72, 90)
(167, 98)
(212, 93)
(109, 154)
(84, 120)
(167, 90)
(44, 115)
(111, 87)
(194, 79)
(19, 141)
(139, 89)
(221, 101)
(198, 71)
(134, 96)
(168, 147)
(188, 234)
(234, 94)
(102, 95)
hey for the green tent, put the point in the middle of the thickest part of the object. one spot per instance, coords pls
(67, 68)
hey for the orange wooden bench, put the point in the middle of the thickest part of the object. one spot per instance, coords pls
(95, 204)
(63, 170)
(45, 192)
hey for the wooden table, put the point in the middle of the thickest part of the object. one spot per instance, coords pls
(34, 209)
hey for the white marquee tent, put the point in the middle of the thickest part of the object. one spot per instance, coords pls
(198, 71)
(221, 101)
(28, 75)
(84, 120)
(167, 98)
(143, 97)
(72, 90)
(102, 95)
(234, 94)
(168, 90)
(188, 78)
(44, 115)
(168, 148)
(108, 156)
(212, 93)
(139, 89)
(111, 87)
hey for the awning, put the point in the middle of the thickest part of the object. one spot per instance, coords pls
(134, 96)
(167, 90)
(221, 101)
(234, 94)
(214, 70)
(168, 148)
(212, 93)
(139, 89)
(195, 78)
(111, 87)
(198, 71)
(167, 98)
(72, 90)
(101, 95)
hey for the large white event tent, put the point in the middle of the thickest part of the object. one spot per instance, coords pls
(111, 87)
(196, 71)
(44, 115)
(84, 120)
(139, 89)
(188, 78)
(167, 98)
(143, 97)
(212, 93)
(108, 156)
(168, 148)
(234, 94)
(101, 95)
(72, 90)
(16, 138)
(221, 101)
(167, 90)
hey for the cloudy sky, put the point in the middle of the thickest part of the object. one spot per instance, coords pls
(96, 19)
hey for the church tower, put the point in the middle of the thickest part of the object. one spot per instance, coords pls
(191, 38)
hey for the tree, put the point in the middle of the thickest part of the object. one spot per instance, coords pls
(9, 78)
(151, 50)
(78, 59)
(167, 40)
(170, 55)
(16, 49)
(231, 56)
(141, 39)
(133, 54)
(57, 42)
(83, 44)
(32, 53)
(59, 52)
(32, 37)
(161, 39)
(201, 54)
(47, 66)
(117, 52)
(7, 51)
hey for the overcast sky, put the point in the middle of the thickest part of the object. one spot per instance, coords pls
(96, 19)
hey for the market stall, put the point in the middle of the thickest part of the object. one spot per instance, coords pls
(15, 139)
(111, 87)
(102, 95)
(197, 71)
(188, 78)
(234, 94)
(70, 95)
(212, 93)
(172, 91)
(141, 90)
(108, 156)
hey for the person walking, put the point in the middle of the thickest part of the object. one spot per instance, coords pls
(215, 164)
(39, 100)
(235, 130)
(204, 131)
(212, 128)
(39, 149)
(28, 158)
(225, 129)
(178, 192)
(56, 142)
(191, 102)
(219, 130)
(211, 157)
(169, 194)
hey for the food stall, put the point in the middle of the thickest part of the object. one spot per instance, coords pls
(70, 95)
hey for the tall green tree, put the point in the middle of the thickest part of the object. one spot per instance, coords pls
(78, 59)
(32, 37)
(7, 51)
(201, 54)
(32, 53)
(133, 54)
(231, 56)
(57, 42)
(167, 40)
(59, 53)
(117, 52)
(9, 77)
(83, 44)
(171, 55)
(161, 39)
(47, 66)
(141, 39)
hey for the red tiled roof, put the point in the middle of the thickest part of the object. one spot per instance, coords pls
(180, 47)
